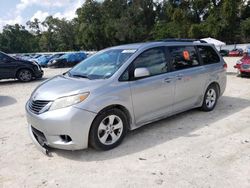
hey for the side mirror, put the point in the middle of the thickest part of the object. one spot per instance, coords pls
(141, 72)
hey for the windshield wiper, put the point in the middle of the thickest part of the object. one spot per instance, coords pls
(80, 76)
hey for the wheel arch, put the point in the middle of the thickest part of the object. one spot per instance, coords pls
(110, 107)
(217, 85)
(120, 107)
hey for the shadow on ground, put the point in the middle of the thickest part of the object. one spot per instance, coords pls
(151, 135)
(238, 75)
(6, 101)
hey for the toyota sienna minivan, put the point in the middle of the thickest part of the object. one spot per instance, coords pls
(122, 88)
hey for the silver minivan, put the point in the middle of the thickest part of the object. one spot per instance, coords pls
(122, 88)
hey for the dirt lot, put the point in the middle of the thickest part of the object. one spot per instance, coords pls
(192, 149)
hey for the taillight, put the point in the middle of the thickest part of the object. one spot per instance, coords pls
(225, 66)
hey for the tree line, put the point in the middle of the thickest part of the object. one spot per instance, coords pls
(112, 22)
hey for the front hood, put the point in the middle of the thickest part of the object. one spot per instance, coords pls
(24, 61)
(61, 86)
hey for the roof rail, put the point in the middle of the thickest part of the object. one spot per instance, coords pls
(181, 40)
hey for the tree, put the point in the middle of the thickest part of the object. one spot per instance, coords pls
(90, 31)
(179, 19)
(34, 26)
(245, 30)
(197, 31)
(244, 9)
(230, 10)
(100, 24)
(15, 38)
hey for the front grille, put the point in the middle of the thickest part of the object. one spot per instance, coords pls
(37, 106)
(246, 66)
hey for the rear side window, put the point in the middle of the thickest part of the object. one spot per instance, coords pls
(183, 57)
(208, 55)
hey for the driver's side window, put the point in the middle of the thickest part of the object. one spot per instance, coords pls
(3, 58)
(154, 60)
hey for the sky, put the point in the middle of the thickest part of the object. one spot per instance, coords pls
(21, 11)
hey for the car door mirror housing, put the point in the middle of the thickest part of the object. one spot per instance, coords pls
(141, 72)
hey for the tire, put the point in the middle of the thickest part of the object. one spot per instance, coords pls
(210, 98)
(24, 75)
(105, 135)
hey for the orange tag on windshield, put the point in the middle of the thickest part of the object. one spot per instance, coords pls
(186, 55)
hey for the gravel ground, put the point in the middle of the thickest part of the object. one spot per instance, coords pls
(192, 149)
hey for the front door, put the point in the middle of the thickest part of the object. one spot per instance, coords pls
(153, 95)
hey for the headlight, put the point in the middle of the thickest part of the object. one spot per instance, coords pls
(68, 101)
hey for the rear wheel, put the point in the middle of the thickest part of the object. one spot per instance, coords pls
(24, 75)
(210, 98)
(108, 129)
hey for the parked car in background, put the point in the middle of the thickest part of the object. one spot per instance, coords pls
(224, 52)
(24, 57)
(44, 59)
(243, 65)
(248, 50)
(21, 69)
(67, 60)
(236, 52)
(123, 88)
(36, 57)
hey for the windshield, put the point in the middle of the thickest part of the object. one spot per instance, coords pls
(102, 65)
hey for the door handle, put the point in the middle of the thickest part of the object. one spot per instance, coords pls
(179, 76)
(168, 80)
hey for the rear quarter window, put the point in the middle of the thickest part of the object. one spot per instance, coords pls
(208, 55)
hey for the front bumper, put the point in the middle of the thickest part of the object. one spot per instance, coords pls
(38, 73)
(245, 70)
(54, 125)
(242, 68)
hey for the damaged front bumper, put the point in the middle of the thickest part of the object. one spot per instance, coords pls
(39, 140)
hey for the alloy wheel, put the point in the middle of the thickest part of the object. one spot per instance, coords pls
(110, 129)
(211, 98)
(25, 75)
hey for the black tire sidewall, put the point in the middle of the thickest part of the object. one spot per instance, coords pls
(204, 105)
(93, 136)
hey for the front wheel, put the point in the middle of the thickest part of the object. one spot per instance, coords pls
(210, 98)
(108, 129)
(24, 75)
